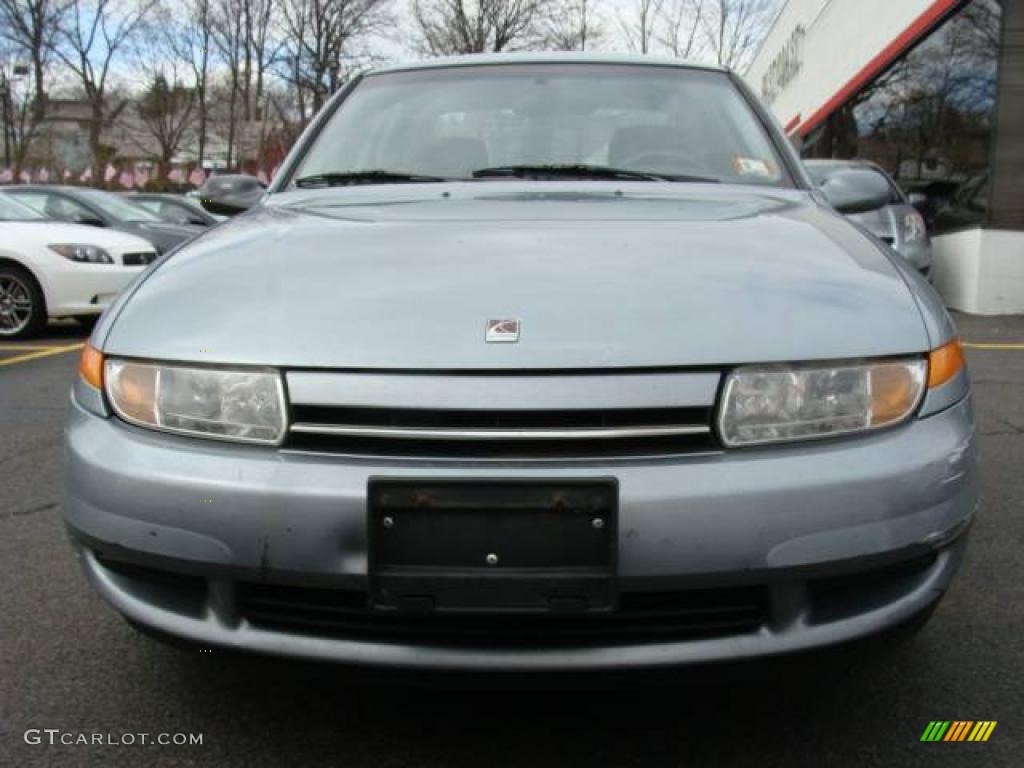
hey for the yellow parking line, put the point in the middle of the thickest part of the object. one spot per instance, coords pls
(40, 352)
(971, 345)
(16, 347)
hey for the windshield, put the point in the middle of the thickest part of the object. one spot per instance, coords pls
(12, 210)
(115, 207)
(450, 122)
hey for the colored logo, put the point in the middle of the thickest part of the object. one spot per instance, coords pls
(958, 730)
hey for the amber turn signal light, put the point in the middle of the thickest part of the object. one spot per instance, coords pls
(945, 362)
(90, 366)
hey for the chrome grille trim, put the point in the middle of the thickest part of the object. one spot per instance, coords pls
(518, 391)
(419, 433)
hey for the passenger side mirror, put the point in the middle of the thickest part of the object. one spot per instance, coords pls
(90, 220)
(853, 190)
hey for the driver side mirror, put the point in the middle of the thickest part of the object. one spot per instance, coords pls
(855, 190)
(90, 220)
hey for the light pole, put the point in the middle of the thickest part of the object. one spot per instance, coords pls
(20, 70)
(5, 89)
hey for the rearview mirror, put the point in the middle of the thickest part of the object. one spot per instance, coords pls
(229, 195)
(854, 190)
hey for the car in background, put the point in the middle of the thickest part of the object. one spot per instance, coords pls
(897, 223)
(97, 208)
(230, 193)
(177, 209)
(52, 269)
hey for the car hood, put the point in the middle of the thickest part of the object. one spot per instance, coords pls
(635, 275)
(45, 232)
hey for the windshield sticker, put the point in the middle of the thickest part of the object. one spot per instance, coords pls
(751, 166)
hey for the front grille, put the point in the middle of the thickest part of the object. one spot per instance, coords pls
(501, 434)
(640, 618)
(139, 259)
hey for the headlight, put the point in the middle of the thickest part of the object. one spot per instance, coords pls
(87, 254)
(777, 403)
(914, 228)
(247, 406)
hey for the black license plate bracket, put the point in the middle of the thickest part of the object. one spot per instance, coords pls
(492, 546)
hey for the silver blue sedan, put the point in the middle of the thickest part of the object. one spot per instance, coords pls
(530, 362)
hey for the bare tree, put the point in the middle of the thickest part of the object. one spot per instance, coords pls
(733, 28)
(190, 42)
(229, 38)
(680, 28)
(243, 32)
(93, 34)
(449, 27)
(326, 45)
(260, 51)
(164, 111)
(29, 29)
(640, 24)
(571, 25)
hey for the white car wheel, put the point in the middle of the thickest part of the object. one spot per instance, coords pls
(21, 304)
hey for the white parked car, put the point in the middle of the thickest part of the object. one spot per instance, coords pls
(53, 269)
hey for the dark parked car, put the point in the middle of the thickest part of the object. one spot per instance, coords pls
(81, 205)
(231, 193)
(896, 223)
(177, 209)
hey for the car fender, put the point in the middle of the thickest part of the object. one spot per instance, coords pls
(31, 266)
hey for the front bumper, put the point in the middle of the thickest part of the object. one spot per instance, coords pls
(790, 521)
(85, 289)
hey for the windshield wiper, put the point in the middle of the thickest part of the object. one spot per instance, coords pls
(369, 176)
(579, 171)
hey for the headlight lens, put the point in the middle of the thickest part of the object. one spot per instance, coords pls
(914, 228)
(778, 403)
(246, 406)
(86, 254)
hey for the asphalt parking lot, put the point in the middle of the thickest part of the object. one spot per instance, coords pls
(70, 663)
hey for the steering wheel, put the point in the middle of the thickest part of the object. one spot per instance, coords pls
(664, 160)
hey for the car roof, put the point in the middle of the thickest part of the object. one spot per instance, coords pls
(154, 195)
(37, 188)
(545, 57)
(65, 189)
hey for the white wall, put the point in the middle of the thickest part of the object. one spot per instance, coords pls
(980, 271)
(842, 36)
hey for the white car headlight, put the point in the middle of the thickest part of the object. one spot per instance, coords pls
(85, 254)
(778, 403)
(240, 405)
